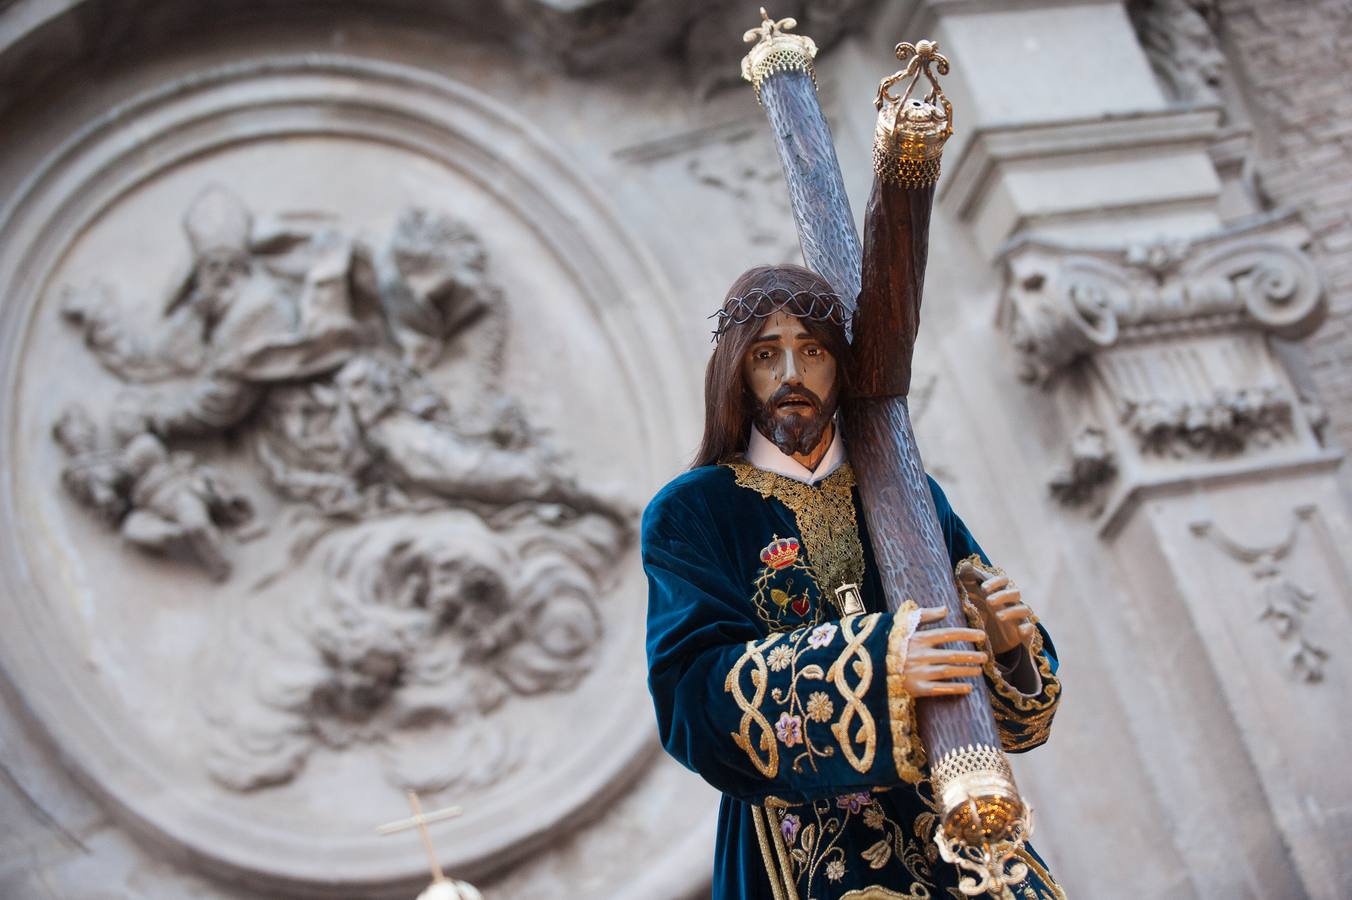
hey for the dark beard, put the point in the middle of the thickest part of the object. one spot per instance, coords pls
(799, 433)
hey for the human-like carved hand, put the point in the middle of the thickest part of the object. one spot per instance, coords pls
(932, 670)
(1007, 620)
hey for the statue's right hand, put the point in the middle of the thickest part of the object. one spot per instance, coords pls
(932, 670)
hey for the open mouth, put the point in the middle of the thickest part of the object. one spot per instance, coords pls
(795, 405)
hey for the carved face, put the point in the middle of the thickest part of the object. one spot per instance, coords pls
(219, 270)
(793, 380)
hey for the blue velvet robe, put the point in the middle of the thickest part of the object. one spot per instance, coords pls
(788, 707)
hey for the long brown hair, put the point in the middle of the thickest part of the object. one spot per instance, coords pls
(728, 404)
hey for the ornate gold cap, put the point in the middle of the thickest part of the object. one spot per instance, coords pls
(776, 51)
(984, 821)
(911, 132)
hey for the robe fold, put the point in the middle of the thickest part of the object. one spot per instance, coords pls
(776, 675)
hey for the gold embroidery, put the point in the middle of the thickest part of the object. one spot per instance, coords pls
(862, 666)
(917, 892)
(760, 821)
(773, 603)
(821, 844)
(1028, 723)
(908, 752)
(826, 519)
(1058, 893)
(751, 714)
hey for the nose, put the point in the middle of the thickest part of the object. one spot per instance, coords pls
(791, 374)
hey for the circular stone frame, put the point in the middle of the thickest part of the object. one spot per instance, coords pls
(258, 101)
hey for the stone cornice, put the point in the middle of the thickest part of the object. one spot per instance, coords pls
(993, 145)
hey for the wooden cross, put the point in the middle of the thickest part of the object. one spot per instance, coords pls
(420, 821)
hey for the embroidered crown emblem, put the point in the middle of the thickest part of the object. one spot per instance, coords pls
(781, 552)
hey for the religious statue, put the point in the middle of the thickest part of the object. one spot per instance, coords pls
(783, 665)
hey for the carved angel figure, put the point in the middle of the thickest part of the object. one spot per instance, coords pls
(161, 501)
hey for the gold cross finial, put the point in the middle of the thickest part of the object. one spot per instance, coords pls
(769, 28)
(776, 50)
(420, 821)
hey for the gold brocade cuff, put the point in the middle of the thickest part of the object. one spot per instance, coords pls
(908, 753)
(1023, 720)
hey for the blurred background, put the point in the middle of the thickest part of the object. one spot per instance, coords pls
(341, 344)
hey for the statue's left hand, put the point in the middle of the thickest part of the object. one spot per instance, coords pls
(1007, 619)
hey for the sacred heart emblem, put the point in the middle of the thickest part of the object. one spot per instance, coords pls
(801, 605)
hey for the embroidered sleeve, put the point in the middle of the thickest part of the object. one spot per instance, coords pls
(908, 752)
(1024, 720)
(803, 715)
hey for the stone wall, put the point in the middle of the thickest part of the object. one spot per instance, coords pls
(1293, 62)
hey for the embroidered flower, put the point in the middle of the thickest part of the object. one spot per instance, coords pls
(789, 729)
(853, 802)
(822, 635)
(819, 707)
(835, 870)
(873, 816)
(779, 658)
(788, 827)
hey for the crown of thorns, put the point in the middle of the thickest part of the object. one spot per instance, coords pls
(818, 306)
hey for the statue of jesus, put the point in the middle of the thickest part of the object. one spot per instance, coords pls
(775, 671)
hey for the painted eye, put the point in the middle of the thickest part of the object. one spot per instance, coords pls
(812, 350)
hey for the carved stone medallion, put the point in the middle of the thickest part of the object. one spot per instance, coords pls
(324, 383)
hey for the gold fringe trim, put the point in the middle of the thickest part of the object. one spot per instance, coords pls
(908, 753)
(758, 818)
(918, 892)
(1041, 872)
(774, 855)
(1034, 713)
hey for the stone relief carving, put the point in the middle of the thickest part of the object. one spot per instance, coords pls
(1092, 466)
(1163, 352)
(420, 629)
(162, 501)
(1180, 39)
(458, 562)
(1286, 605)
(1225, 424)
(1173, 335)
(1064, 304)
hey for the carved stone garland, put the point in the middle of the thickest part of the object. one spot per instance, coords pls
(1285, 604)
